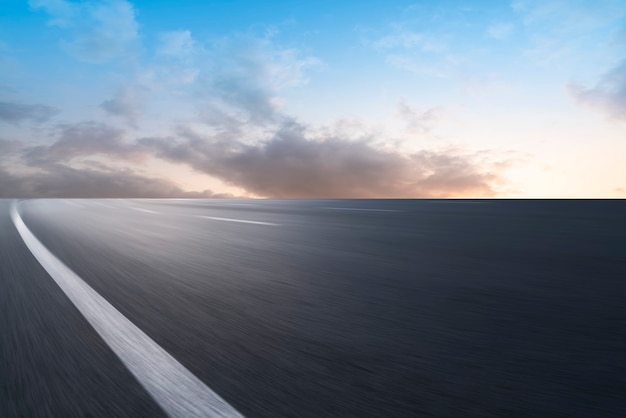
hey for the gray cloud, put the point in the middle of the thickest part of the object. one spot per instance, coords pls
(15, 113)
(608, 95)
(85, 139)
(292, 163)
(56, 181)
(9, 146)
(126, 105)
(47, 170)
(289, 165)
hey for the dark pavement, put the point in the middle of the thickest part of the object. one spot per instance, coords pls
(311, 308)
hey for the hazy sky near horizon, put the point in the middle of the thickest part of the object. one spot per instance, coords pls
(162, 98)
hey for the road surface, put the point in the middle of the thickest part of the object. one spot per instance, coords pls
(435, 308)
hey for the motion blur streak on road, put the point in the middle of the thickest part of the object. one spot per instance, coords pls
(311, 308)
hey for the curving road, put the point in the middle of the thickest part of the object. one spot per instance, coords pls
(309, 308)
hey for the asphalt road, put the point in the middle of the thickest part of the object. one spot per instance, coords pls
(320, 308)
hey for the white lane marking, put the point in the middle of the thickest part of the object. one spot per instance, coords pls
(220, 204)
(365, 210)
(237, 220)
(173, 387)
(143, 210)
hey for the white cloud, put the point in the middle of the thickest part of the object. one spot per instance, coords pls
(61, 12)
(416, 121)
(99, 31)
(241, 79)
(176, 43)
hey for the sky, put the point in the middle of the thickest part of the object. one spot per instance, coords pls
(313, 99)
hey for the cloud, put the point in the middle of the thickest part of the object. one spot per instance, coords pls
(85, 139)
(15, 113)
(125, 104)
(290, 165)
(99, 31)
(249, 141)
(608, 95)
(244, 78)
(57, 181)
(60, 11)
(294, 162)
(431, 53)
(416, 121)
(241, 135)
(50, 170)
(9, 146)
(176, 44)
(234, 80)
(566, 29)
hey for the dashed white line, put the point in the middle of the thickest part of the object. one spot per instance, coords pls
(237, 220)
(143, 210)
(365, 210)
(458, 201)
(173, 387)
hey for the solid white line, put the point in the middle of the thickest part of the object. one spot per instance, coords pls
(366, 210)
(237, 220)
(173, 387)
(143, 210)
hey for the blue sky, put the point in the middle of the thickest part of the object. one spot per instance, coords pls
(114, 98)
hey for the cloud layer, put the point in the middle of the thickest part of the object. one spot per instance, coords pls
(56, 181)
(291, 165)
(228, 96)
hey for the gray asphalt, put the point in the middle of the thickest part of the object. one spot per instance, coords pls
(326, 307)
